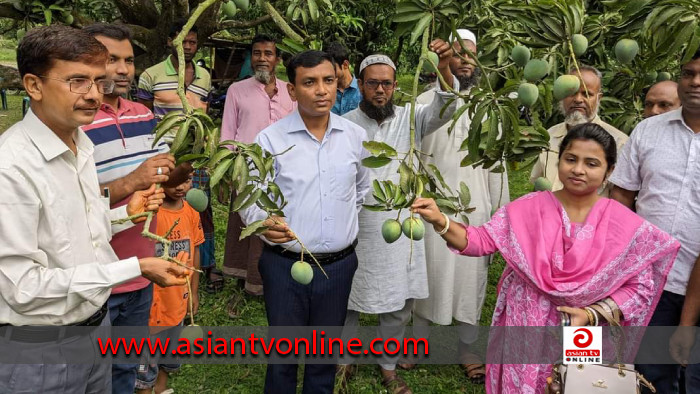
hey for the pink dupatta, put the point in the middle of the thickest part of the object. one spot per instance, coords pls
(552, 262)
(577, 265)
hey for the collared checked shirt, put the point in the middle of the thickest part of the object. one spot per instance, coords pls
(123, 139)
(662, 162)
(348, 99)
(323, 181)
(249, 109)
(56, 265)
(159, 85)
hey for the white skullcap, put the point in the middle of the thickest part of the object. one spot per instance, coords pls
(376, 59)
(465, 34)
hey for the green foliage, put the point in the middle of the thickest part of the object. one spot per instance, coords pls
(45, 12)
(667, 31)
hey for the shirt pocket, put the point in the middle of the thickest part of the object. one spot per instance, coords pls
(344, 182)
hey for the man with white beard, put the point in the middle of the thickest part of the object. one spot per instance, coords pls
(578, 109)
(251, 106)
(457, 284)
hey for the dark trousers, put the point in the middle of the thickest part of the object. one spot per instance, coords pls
(666, 378)
(323, 302)
(129, 309)
(53, 377)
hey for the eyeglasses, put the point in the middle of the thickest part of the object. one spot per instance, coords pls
(83, 85)
(373, 84)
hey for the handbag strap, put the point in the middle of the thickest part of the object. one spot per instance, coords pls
(613, 320)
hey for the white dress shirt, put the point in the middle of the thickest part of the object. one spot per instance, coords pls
(56, 264)
(662, 162)
(324, 181)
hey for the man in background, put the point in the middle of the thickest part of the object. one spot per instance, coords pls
(661, 98)
(251, 105)
(348, 95)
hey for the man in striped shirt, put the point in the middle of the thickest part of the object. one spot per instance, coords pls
(126, 162)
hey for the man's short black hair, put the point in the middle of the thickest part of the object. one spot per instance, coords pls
(306, 59)
(114, 31)
(43, 45)
(338, 51)
(265, 38)
(177, 28)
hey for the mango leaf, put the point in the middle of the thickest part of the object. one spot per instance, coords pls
(252, 200)
(219, 171)
(464, 194)
(376, 161)
(191, 157)
(376, 208)
(376, 148)
(253, 229)
(446, 206)
(242, 197)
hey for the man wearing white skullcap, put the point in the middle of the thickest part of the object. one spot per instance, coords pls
(387, 280)
(457, 283)
(464, 34)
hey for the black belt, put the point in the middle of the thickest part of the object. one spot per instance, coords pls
(41, 334)
(323, 258)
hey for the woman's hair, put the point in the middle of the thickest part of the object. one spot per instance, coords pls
(592, 132)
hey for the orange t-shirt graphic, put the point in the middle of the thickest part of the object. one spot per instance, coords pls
(170, 304)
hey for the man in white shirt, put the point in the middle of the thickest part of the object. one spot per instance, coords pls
(659, 167)
(56, 265)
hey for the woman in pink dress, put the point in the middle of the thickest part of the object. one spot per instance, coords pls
(565, 251)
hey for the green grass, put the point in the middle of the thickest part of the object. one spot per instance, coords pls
(8, 50)
(250, 378)
(214, 378)
(13, 114)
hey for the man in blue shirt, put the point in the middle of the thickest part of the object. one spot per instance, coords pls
(348, 94)
(325, 184)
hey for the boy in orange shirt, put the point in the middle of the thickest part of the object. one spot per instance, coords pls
(170, 304)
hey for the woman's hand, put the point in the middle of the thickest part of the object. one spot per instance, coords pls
(428, 209)
(578, 315)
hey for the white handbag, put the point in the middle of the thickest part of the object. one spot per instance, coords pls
(599, 378)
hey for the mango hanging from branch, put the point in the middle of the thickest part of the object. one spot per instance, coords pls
(528, 94)
(565, 86)
(626, 50)
(535, 70)
(579, 44)
(302, 272)
(391, 230)
(520, 55)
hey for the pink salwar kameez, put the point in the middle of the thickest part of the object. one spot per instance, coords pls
(552, 262)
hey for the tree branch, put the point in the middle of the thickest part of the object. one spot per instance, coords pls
(138, 12)
(182, 8)
(233, 24)
(8, 11)
(281, 23)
